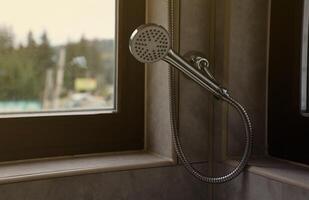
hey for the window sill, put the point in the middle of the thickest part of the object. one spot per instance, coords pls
(279, 170)
(77, 165)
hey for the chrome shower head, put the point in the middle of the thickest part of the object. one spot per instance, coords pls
(150, 43)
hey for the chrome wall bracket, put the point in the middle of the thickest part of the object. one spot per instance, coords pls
(201, 63)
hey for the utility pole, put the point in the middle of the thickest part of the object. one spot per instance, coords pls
(48, 90)
(59, 77)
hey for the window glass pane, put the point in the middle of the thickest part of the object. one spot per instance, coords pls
(57, 55)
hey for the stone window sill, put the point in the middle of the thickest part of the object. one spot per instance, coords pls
(280, 170)
(77, 165)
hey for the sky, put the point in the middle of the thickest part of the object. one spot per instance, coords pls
(63, 20)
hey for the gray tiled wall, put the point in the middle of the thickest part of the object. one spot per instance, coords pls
(194, 102)
(241, 66)
(247, 67)
(195, 110)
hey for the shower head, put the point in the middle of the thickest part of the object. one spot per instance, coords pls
(150, 43)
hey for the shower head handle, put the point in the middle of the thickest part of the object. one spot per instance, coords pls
(150, 43)
(182, 65)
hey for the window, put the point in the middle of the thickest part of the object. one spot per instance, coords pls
(62, 62)
(288, 121)
(68, 84)
(305, 62)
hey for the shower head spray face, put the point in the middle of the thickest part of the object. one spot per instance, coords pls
(150, 43)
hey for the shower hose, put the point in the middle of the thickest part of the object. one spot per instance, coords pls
(175, 133)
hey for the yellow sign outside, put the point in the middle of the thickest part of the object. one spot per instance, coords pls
(85, 84)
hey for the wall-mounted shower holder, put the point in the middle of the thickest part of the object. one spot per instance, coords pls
(201, 63)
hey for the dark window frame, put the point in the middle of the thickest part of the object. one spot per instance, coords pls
(49, 136)
(288, 127)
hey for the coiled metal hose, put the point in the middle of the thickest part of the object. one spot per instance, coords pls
(175, 133)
